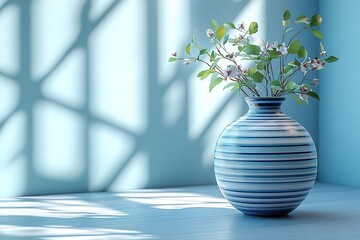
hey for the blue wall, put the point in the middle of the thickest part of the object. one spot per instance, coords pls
(89, 102)
(339, 122)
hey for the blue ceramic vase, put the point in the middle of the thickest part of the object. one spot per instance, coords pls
(265, 162)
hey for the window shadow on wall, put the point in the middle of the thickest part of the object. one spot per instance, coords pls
(52, 145)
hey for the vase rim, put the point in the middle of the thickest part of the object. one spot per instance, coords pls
(266, 98)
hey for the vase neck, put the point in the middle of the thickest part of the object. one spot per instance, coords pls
(265, 105)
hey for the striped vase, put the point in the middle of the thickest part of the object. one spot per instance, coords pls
(265, 162)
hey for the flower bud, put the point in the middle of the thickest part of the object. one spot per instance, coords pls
(210, 33)
(187, 61)
(242, 26)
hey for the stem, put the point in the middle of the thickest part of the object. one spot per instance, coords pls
(297, 34)
(283, 36)
(238, 80)
(254, 91)
(272, 71)
(305, 75)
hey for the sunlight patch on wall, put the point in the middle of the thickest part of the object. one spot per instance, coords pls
(119, 67)
(9, 40)
(230, 113)
(135, 174)
(173, 103)
(173, 34)
(109, 149)
(12, 159)
(99, 7)
(58, 142)
(55, 25)
(66, 84)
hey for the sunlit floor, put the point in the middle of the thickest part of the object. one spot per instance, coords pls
(330, 212)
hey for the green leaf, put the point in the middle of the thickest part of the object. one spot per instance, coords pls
(251, 71)
(302, 52)
(285, 23)
(317, 33)
(290, 86)
(203, 51)
(231, 84)
(253, 28)
(302, 19)
(257, 77)
(214, 63)
(220, 33)
(314, 95)
(212, 56)
(294, 47)
(215, 82)
(240, 48)
(251, 49)
(230, 25)
(193, 40)
(172, 59)
(287, 69)
(201, 73)
(296, 62)
(275, 83)
(331, 59)
(286, 15)
(206, 74)
(237, 85)
(261, 65)
(296, 98)
(322, 47)
(251, 84)
(315, 20)
(226, 38)
(273, 54)
(188, 49)
(214, 24)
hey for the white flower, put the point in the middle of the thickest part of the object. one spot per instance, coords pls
(231, 71)
(303, 96)
(304, 90)
(263, 49)
(259, 42)
(315, 82)
(274, 45)
(255, 40)
(241, 37)
(304, 67)
(282, 49)
(269, 46)
(317, 64)
(241, 71)
(210, 33)
(323, 53)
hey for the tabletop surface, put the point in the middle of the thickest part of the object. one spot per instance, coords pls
(329, 212)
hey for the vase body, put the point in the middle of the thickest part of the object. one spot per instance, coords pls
(265, 163)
